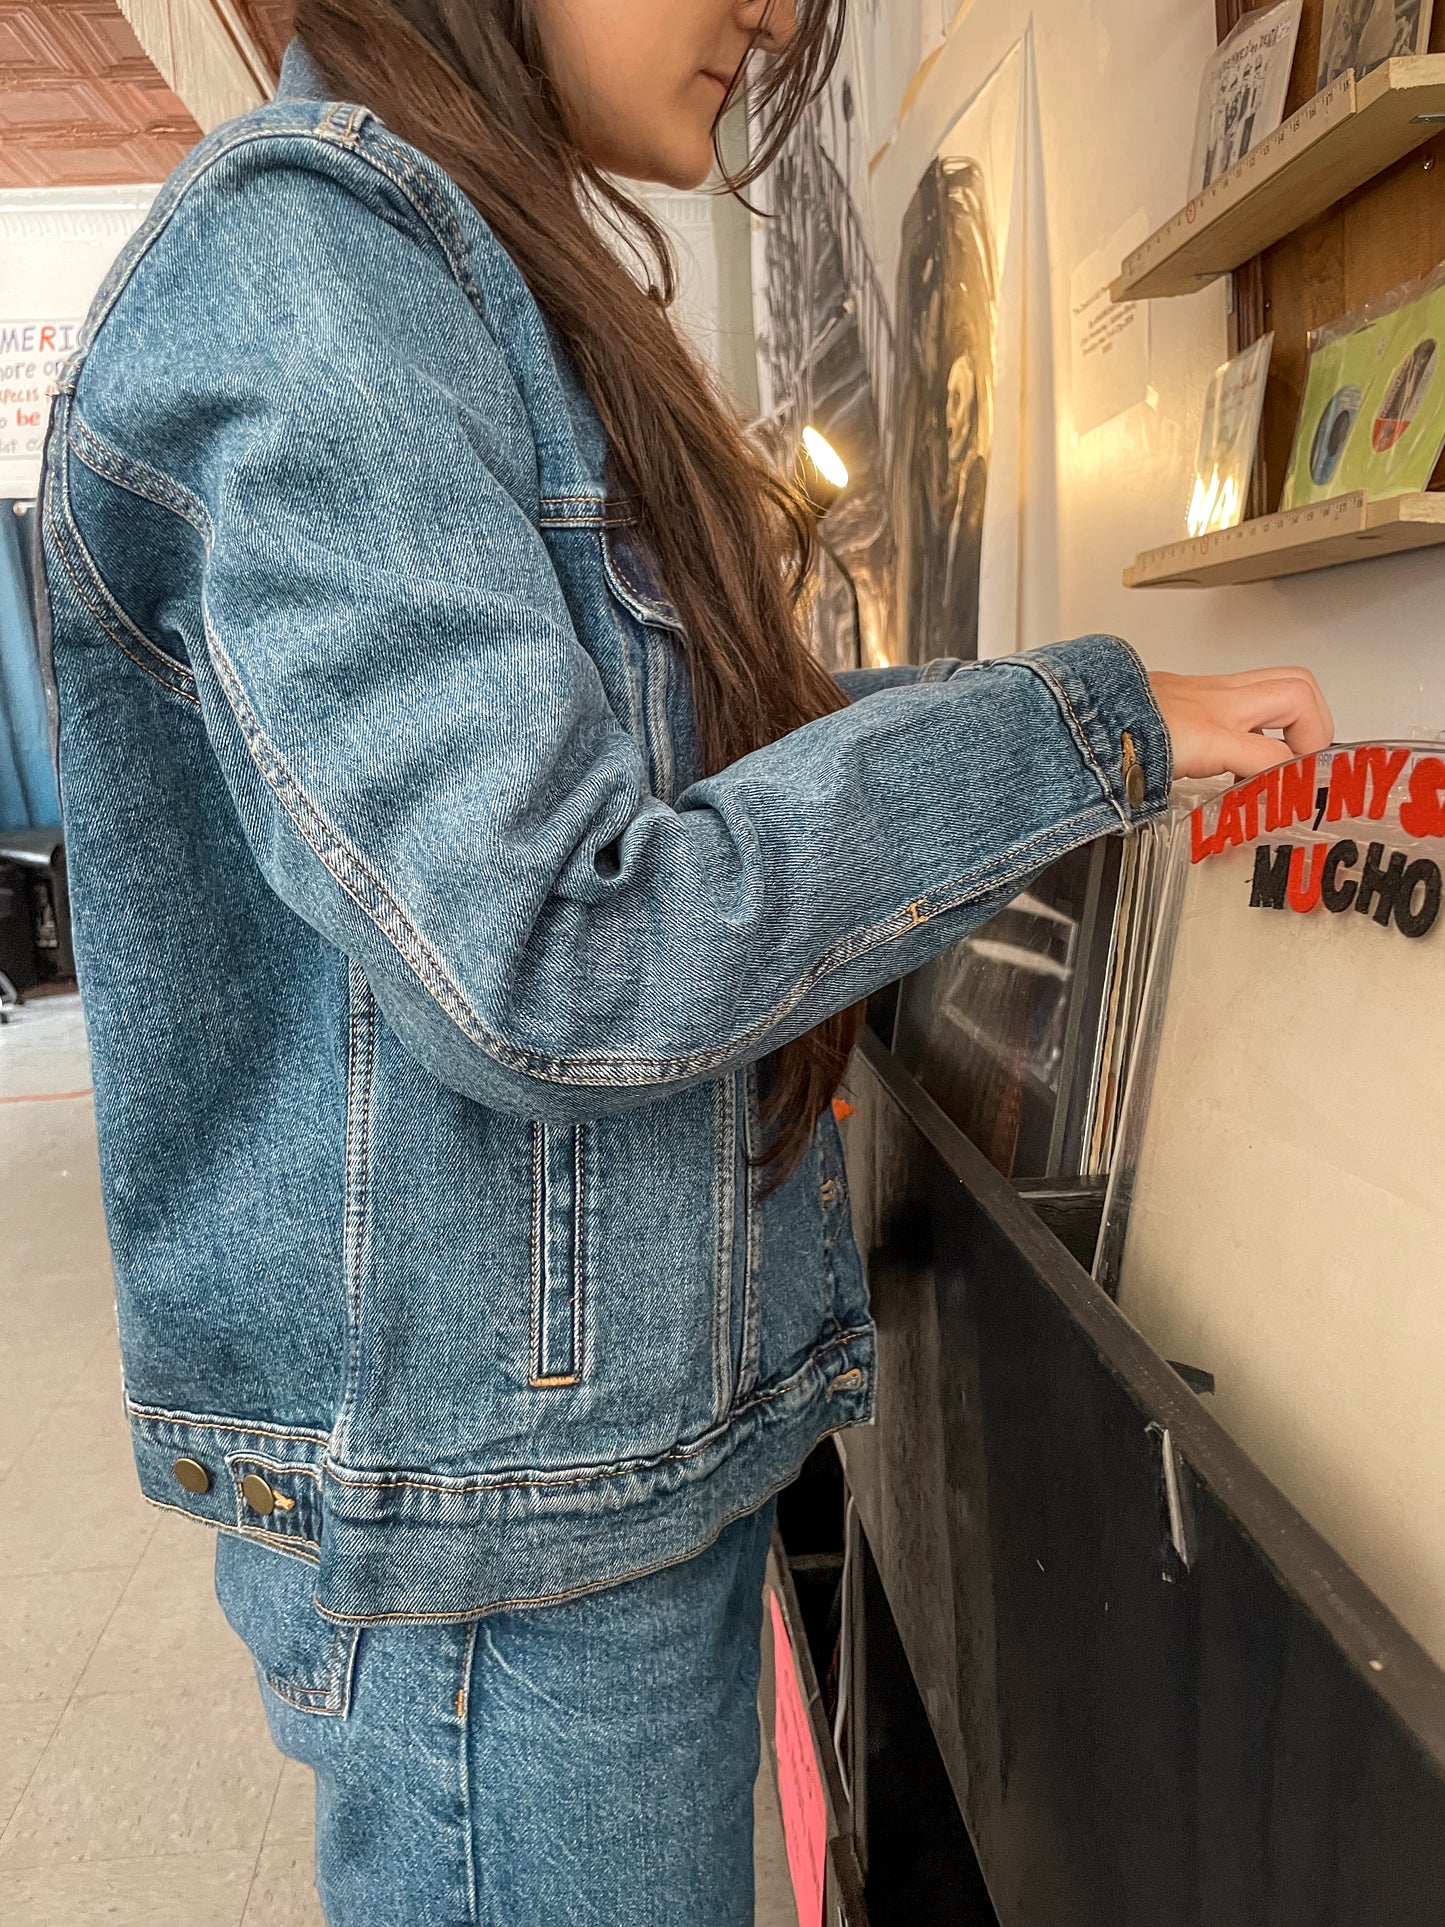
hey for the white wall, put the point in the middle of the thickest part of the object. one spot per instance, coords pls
(55, 247)
(1118, 85)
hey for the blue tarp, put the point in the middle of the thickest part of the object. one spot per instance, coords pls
(28, 800)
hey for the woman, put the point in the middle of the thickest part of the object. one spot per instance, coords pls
(475, 884)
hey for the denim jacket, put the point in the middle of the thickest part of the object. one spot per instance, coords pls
(428, 979)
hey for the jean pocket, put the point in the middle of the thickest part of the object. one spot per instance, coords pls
(267, 1599)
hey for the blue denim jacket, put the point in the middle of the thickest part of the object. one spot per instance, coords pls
(427, 977)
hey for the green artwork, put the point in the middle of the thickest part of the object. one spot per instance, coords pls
(1373, 413)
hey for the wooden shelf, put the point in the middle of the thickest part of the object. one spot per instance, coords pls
(1320, 536)
(1347, 134)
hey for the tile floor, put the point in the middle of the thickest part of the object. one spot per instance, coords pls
(138, 1785)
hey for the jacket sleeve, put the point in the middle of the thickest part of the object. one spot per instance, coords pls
(422, 754)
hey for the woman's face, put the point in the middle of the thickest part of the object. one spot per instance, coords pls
(641, 81)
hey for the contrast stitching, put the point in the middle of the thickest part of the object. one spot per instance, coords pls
(1061, 695)
(98, 615)
(608, 1072)
(332, 1698)
(295, 1547)
(753, 1226)
(628, 1468)
(360, 1075)
(579, 1247)
(724, 1191)
(659, 667)
(655, 614)
(157, 1414)
(139, 478)
(539, 1245)
(463, 1710)
(594, 1585)
(164, 665)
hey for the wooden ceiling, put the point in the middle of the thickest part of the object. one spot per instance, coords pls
(81, 102)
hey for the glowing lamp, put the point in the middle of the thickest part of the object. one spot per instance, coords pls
(819, 472)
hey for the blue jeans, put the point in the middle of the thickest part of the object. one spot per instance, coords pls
(590, 1762)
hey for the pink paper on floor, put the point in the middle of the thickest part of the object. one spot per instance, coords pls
(800, 1786)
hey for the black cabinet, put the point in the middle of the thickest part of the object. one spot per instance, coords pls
(1157, 1696)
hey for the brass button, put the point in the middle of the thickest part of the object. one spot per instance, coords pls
(827, 1191)
(192, 1476)
(257, 1494)
(1135, 785)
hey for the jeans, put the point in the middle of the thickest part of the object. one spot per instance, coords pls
(590, 1762)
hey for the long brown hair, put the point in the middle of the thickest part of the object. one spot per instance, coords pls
(464, 81)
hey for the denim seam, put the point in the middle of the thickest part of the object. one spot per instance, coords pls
(126, 472)
(659, 665)
(538, 1238)
(544, 1283)
(415, 186)
(725, 1104)
(656, 614)
(296, 1548)
(164, 664)
(596, 1475)
(469, 1654)
(331, 1699)
(209, 1422)
(1076, 728)
(579, 1245)
(98, 616)
(751, 1349)
(362, 1620)
(1148, 686)
(360, 1076)
(396, 923)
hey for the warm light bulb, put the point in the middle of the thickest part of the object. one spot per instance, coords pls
(826, 459)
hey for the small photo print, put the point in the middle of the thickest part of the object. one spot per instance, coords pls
(1336, 421)
(1360, 34)
(1242, 99)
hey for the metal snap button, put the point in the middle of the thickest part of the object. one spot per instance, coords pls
(1135, 785)
(257, 1494)
(192, 1476)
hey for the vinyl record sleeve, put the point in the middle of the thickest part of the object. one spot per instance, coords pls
(1242, 99)
(1277, 1213)
(1228, 438)
(1372, 416)
(1361, 34)
(985, 1027)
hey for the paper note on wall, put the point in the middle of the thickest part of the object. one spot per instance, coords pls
(800, 1787)
(55, 246)
(1109, 339)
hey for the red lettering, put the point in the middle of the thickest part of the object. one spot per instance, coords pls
(1272, 818)
(47, 340)
(1296, 793)
(1423, 814)
(1349, 773)
(1303, 892)
(1385, 766)
(1251, 794)
(1230, 833)
(1200, 845)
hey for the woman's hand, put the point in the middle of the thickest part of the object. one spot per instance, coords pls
(1215, 721)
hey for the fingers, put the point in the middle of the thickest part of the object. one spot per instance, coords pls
(1242, 754)
(1291, 702)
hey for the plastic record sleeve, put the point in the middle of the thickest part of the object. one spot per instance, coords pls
(1276, 1213)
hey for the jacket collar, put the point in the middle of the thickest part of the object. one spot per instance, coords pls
(301, 78)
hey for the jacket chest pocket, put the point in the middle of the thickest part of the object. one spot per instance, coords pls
(559, 1253)
(662, 695)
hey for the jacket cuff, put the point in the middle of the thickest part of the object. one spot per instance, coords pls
(1106, 698)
